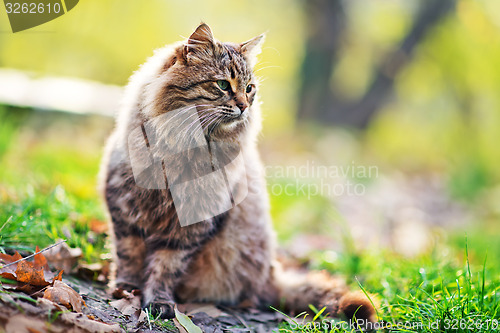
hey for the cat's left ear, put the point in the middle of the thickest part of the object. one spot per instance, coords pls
(199, 42)
(253, 47)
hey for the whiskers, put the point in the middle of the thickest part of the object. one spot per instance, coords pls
(208, 121)
(191, 125)
(195, 129)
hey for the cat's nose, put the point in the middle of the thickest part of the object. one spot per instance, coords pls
(242, 106)
(241, 102)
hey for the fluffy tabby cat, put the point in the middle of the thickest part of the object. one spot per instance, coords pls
(227, 259)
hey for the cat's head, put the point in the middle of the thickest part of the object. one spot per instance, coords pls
(216, 79)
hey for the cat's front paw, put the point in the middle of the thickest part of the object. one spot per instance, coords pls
(164, 309)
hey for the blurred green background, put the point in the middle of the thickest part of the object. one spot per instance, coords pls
(411, 87)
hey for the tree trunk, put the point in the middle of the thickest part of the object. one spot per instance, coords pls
(321, 103)
(325, 27)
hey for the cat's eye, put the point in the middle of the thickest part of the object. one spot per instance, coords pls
(224, 85)
(249, 88)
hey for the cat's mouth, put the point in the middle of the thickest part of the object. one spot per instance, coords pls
(225, 121)
(232, 117)
(232, 121)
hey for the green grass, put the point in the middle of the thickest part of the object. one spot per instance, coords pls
(155, 321)
(47, 186)
(436, 292)
(40, 219)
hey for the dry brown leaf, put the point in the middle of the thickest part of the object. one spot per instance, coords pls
(28, 273)
(9, 271)
(129, 304)
(98, 226)
(122, 293)
(24, 324)
(63, 257)
(63, 294)
(78, 322)
(192, 308)
(31, 276)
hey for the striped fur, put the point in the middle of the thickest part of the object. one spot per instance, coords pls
(228, 259)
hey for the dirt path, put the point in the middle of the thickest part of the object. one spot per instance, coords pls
(19, 314)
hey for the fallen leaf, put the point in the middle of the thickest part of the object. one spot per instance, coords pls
(7, 281)
(98, 226)
(63, 257)
(66, 321)
(39, 260)
(122, 293)
(129, 304)
(7, 259)
(8, 275)
(179, 326)
(31, 276)
(193, 308)
(58, 277)
(63, 294)
(186, 322)
(29, 273)
(24, 324)
(8, 272)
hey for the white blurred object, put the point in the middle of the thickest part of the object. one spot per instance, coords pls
(74, 95)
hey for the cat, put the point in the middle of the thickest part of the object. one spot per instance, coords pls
(185, 138)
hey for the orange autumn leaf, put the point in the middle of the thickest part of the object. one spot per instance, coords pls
(6, 259)
(8, 272)
(40, 260)
(34, 276)
(58, 277)
(99, 226)
(31, 275)
(27, 272)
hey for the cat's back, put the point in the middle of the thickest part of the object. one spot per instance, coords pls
(129, 118)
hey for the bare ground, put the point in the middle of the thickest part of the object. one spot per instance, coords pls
(18, 314)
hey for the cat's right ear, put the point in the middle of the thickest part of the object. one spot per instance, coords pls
(200, 43)
(251, 48)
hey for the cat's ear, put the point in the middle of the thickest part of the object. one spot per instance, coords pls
(199, 42)
(252, 47)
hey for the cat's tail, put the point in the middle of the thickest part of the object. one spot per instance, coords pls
(297, 290)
